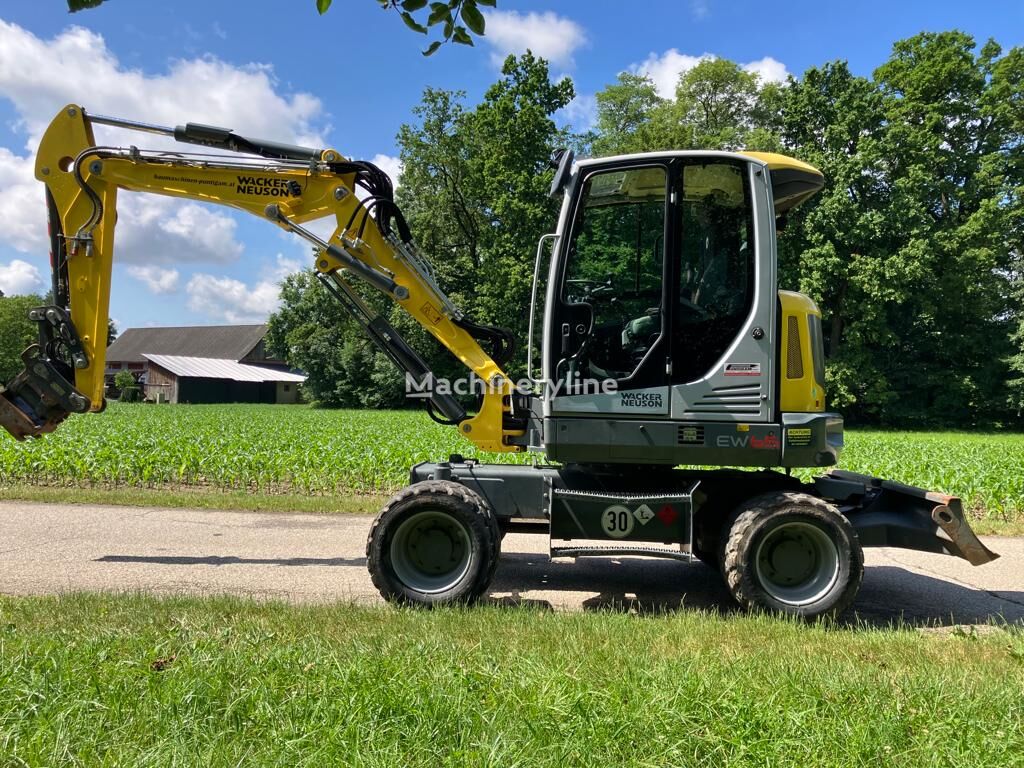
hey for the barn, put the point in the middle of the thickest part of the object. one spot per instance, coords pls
(204, 364)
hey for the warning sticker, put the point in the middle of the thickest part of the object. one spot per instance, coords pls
(667, 514)
(643, 514)
(743, 369)
(798, 436)
(431, 312)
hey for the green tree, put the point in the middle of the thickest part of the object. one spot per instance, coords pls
(127, 387)
(909, 249)
(512, 136)
(16, 332)
(831, 247)
(717, 105)
(1015, 386)
(624, 112)
(313, 332)
(474, 190)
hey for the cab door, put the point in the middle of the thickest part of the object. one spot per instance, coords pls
(607, 334)
(724, 302)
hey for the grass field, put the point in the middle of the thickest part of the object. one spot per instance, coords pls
(90, 680)
(307, 452)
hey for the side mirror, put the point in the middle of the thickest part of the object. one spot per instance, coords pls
(561, 161)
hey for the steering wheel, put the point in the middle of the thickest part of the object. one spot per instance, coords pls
(591, 288)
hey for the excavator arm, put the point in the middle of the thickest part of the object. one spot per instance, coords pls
(286, 185)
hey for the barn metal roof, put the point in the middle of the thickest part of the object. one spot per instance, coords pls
(225, 342)
(213, 368)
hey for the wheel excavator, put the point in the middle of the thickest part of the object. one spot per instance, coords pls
(672, 386)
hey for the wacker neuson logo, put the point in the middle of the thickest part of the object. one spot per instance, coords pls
(640, 399)
(267, 187)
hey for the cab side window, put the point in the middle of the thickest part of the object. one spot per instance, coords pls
(615, 273)
(716, 266)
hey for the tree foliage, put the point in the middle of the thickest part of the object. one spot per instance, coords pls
(16, 332)
(458, 20)
(474, 189)
(913, 250)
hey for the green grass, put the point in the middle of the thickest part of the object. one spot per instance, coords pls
(302, 453)
(91, 680)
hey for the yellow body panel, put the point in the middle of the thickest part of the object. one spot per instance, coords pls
(248, 189)
(777, 162)
(793, 181)
(799, 390)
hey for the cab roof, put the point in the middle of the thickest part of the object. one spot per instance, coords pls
(793, 181)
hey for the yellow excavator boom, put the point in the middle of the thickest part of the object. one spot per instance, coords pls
(284, 184)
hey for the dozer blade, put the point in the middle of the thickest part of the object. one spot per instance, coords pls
(890, 514)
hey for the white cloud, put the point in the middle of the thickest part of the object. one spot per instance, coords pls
(284, 266)
(580, 113)
(664, 69)
(770, 70)
(547, 34)
(161, 230)
(156, 279)
(20, 277)
(700, 9)
(230, 300)
(24, 206)
(391, 165)
(38, 76)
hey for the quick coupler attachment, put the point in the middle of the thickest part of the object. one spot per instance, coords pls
(40, 397)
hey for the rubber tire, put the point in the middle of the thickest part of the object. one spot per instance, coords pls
(755, 518)
(468, 509)
(708, 558)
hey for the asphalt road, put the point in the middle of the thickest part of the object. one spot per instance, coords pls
(54, 548)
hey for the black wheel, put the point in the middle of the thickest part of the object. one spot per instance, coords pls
(434, 543)
(709, 558)
(792, 553)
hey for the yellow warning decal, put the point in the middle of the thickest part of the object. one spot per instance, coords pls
(798, 436)
(431, 312)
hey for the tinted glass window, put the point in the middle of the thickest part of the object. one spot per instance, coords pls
(716, 286)
(615, 273)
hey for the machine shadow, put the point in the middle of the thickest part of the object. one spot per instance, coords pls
(890, 596)
(635, 585)
(231, 560)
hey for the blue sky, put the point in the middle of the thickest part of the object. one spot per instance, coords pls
(349, 80)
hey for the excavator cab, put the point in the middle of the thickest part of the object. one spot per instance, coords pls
(663, 317)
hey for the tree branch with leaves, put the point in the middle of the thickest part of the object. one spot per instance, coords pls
(457, 20)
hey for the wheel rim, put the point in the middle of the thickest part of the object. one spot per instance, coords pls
(797, 563)
(430, 551)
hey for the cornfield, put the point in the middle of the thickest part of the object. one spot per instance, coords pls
(296, 449)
